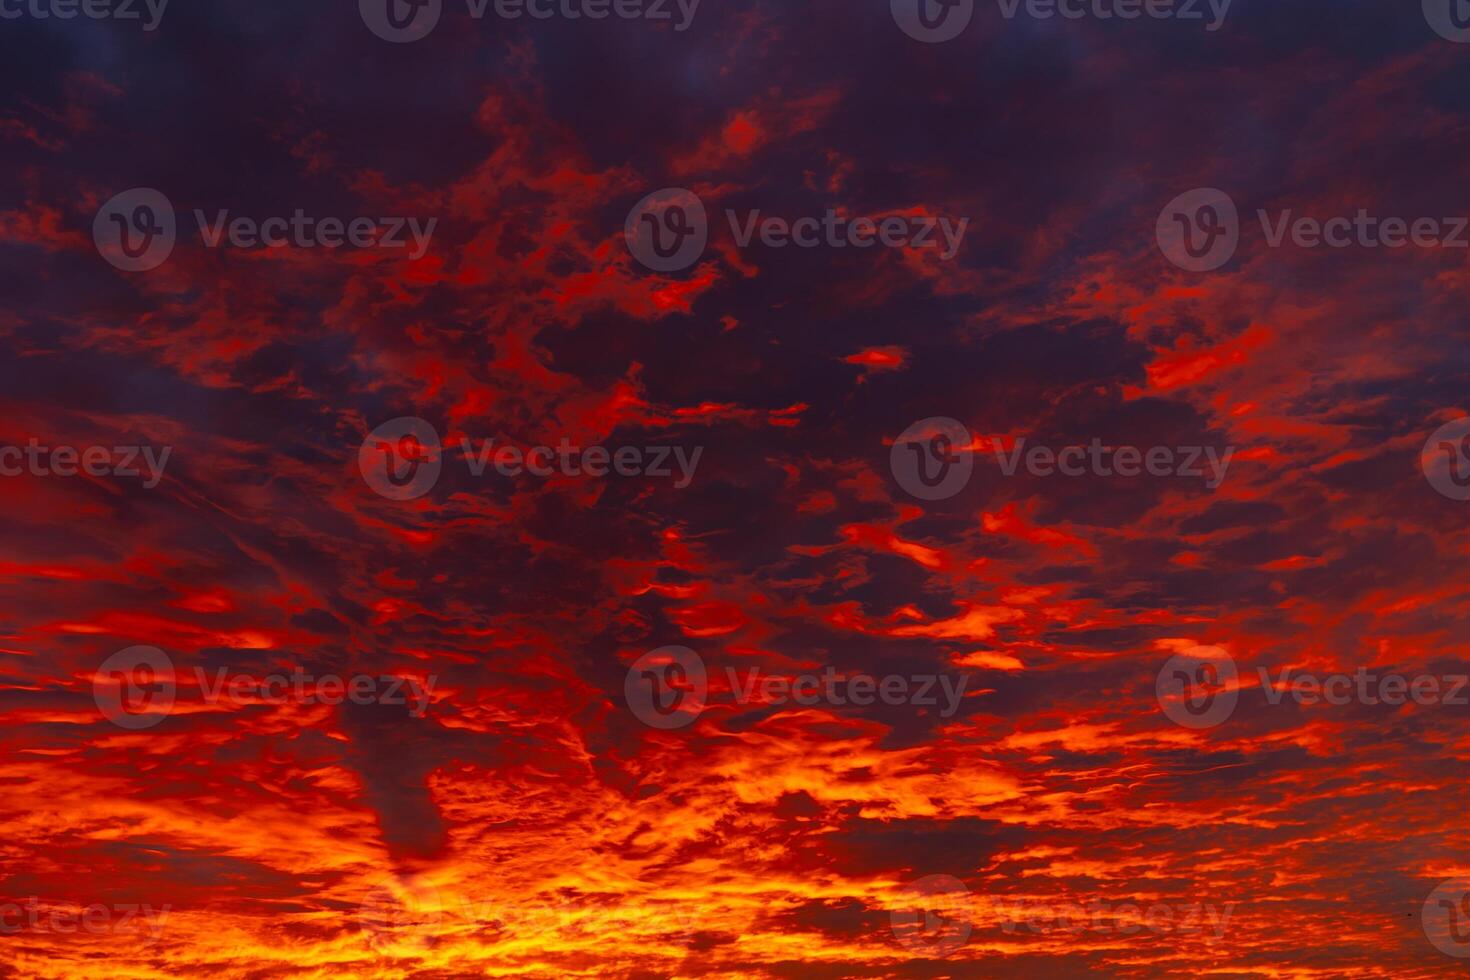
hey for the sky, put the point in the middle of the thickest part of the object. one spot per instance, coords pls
(734, 489)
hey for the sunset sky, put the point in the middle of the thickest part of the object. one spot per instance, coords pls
(506, 799)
